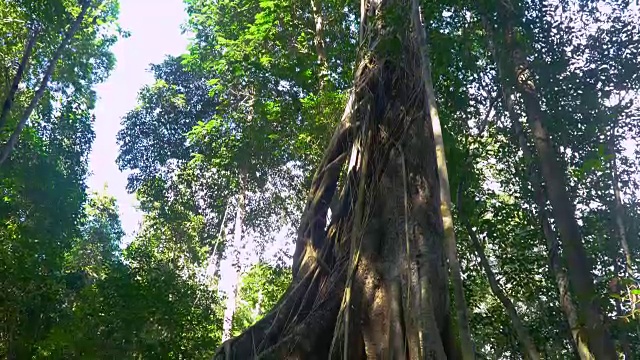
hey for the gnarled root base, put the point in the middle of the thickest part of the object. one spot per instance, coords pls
(299, 327)
(372, 284)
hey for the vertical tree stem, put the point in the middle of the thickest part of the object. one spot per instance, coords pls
(468, 351)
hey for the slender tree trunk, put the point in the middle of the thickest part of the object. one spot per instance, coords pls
(618, 209)
(553, 246)
(563, 210)
(217, 261)
(617, 289)
(468, 349)
(564, 213)
(232, 301)
(624, 339)
(527, 343)
(372, 283)
(8, 147)
(258, 308)
(12, 345)
(621, 234)
(237, 244)
(24, 61)
(540, 197)
(216, 253)
(11, 350)
(318, 39)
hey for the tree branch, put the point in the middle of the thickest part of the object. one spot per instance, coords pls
(8, 102)
(13, 140)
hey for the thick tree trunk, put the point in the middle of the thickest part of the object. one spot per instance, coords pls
(373, 282)
(8, 147)
(563, 211)
(525, 339)
(462, 316)
(17, 78)
(238, 226)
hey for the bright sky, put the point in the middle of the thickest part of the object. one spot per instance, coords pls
(155, 32)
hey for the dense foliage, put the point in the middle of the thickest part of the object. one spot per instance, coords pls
(222, 147)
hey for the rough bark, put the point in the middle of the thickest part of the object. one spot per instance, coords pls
(8, 147)
(525, 339)
(372, 283)
(231, 303)
(563, 210)
(462, 316)
(17, 78)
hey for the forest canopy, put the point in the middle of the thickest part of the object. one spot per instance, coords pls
(327, 179)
